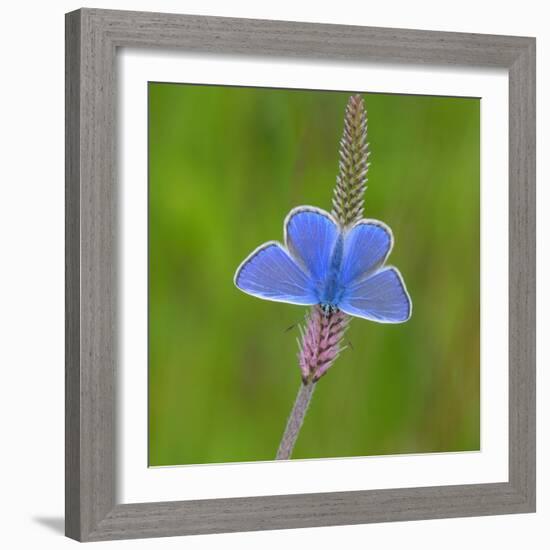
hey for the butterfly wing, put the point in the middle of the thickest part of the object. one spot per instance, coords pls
(380, 297)
(310, 236)
(366, 246)
(272, 274)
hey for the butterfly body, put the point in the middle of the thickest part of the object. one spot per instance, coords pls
(330, 290)
(326, 265)
(328, 309)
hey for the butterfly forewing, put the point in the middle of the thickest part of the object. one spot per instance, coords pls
(272, 274)
(380, 297)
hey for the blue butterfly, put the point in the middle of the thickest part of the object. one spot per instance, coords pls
(322, 264)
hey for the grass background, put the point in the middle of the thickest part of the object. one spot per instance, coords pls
(225, 167)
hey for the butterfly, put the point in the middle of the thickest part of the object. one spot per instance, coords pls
(322, 264)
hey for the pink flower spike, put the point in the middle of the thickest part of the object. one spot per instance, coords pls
(321, 342)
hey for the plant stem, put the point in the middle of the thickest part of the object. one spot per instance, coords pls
(295, 420)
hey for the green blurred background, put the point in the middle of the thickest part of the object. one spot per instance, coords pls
(226, 164)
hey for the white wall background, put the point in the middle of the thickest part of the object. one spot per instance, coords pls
(31, 272)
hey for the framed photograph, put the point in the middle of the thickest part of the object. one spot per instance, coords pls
(300, 275)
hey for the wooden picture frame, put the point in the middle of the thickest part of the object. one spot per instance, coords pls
(92, 39)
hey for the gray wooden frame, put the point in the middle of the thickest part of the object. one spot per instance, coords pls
(92, 38)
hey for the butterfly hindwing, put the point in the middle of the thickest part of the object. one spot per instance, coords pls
(366, 246)
(381, 297)
(310, 236)
(272, 274)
